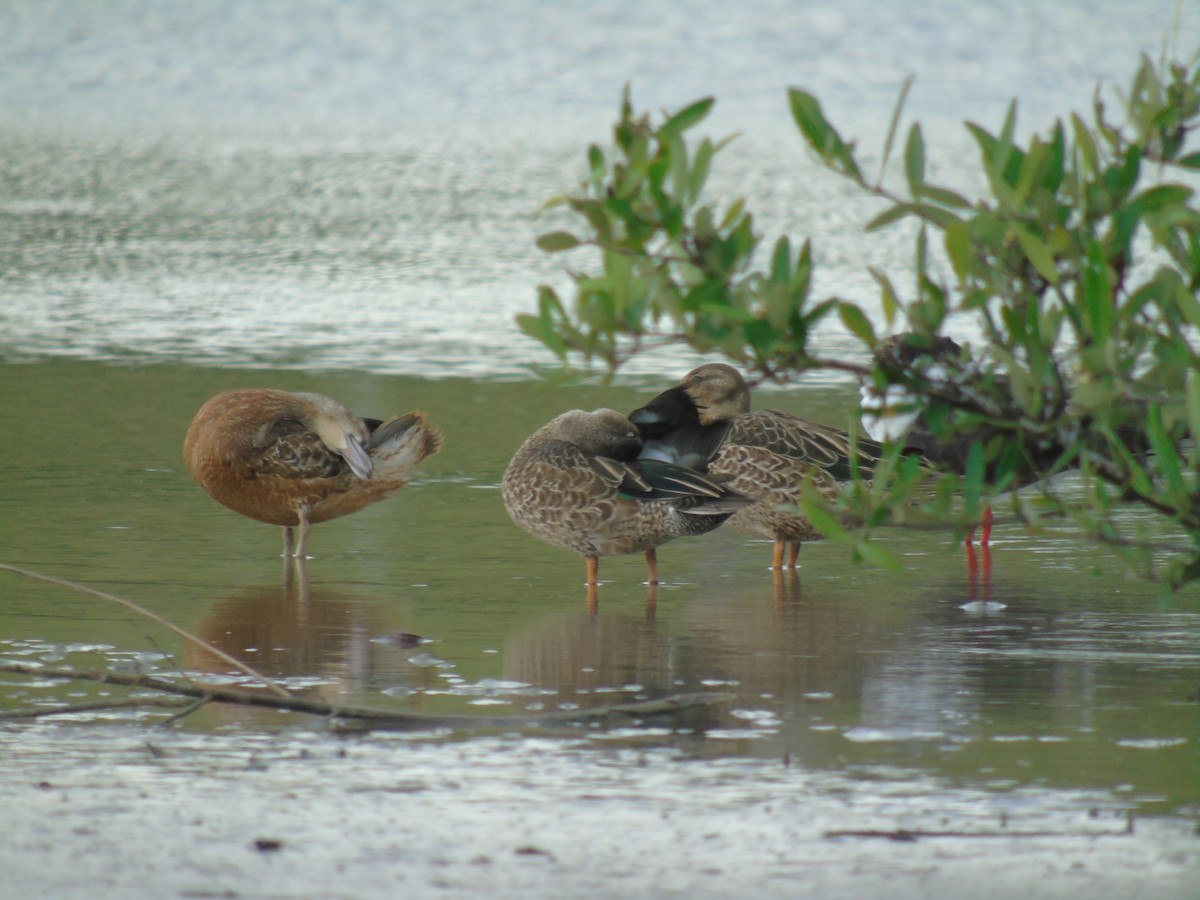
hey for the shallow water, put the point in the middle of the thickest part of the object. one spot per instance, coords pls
(338, 198)
(1057, 699)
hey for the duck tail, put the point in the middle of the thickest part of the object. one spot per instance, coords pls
(410, 432)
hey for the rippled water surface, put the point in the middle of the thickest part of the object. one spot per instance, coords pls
(353, 185)
(339, 197)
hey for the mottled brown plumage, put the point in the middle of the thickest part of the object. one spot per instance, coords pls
(577, 484)
(298, 459)
(706, 423)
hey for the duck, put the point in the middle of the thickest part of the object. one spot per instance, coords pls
(577, 484)
(298, 459)
(706, 423)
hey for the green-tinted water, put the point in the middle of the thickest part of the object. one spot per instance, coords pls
(1081, 680)
(348, 188)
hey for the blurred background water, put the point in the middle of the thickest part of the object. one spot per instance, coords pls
(353, 185)
(340, 197)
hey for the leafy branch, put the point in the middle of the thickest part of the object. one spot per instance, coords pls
(1080, 264)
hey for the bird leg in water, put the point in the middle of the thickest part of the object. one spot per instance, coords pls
(593, 570)
(985, 523)
(777, 555)
(652, 566)
(288, 546)
(793, 553)
(302, 543)
(986, 537)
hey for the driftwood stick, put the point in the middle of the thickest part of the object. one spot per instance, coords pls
(906, 835)
(275, 688)
(376, 718)
(96, 706)
(189, 707)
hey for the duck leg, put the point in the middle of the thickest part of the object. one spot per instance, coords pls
(652, 566)
(777, 556)
(288, 544)
(793, 552)
(302, 543)
(986, 522)
(593, 570)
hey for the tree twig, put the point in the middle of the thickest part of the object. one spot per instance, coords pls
(904, 834)
(376, 718)
(97, 706)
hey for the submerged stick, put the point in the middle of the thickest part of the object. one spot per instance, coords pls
(906, 835)
(376, 718)
(98, 706)
(156, 618)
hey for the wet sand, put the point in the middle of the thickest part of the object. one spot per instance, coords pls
(126, 812)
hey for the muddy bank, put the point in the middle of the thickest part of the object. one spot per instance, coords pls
(125, 812)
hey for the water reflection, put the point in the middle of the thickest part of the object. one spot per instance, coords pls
(1004, 696)
(586, 656)
(1050, 668)
(317, 642)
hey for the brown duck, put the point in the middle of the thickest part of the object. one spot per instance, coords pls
(706, 423)
(577, 484)
(298, 459)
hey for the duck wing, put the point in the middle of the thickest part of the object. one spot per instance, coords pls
(287, 448)
(804, 441)
(650, 480)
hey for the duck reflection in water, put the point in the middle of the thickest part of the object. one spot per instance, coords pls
(588, 658)
(297, 459)
(723, 639)
(341, 641)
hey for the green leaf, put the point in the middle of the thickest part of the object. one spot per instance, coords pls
(1191, 161)
(1161, 197)
(699, 172)
(596, 162)
(877, 555)
(686, 118)
(1086, 145)
(1193, 404)
(857, 323)
(557, 241)
(958, 249)
(972, 485)
(802, 275)
(1097, 300)
(822, 137)
(1166, 454)
(1037, 253)
(806, 110)
(894, 124)
(888, 216)
(944, 197)
(723, 312)
(1033, 170)
(887, 296)
(781, 261)
(823, 520)
(914, 161)
(935, 215)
